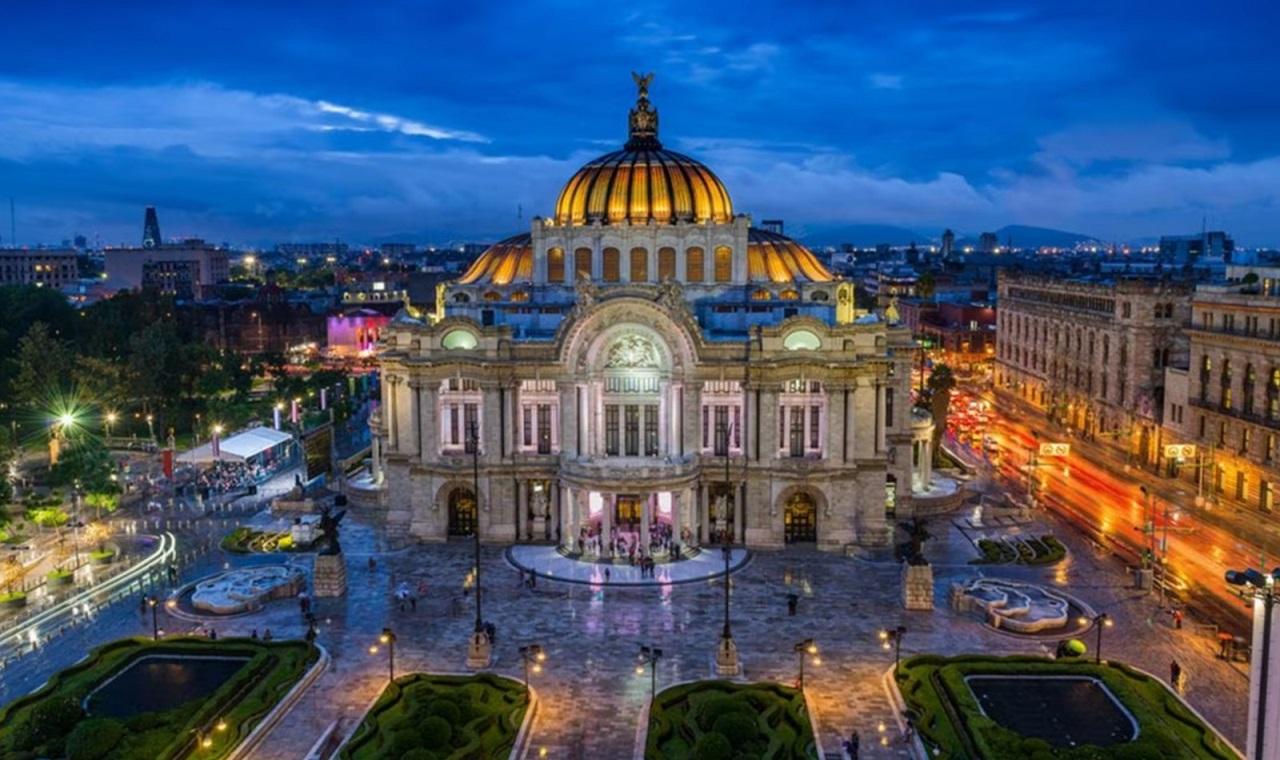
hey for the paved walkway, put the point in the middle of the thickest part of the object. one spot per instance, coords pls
(549, 563)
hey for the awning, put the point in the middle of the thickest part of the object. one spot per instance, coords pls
(238, 447)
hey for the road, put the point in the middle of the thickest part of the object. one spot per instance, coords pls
(1094, 491)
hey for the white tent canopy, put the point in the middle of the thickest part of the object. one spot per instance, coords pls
(239, 447)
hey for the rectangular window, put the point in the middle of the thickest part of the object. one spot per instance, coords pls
(631, 429)
(693, 265)
(1271, 446)
(611, 430)
(797, 431)
(888, 407)
(555, 265)
(815, 417)
(528, 425)
(454, 424)
(1240, 484)
(544, 428)
(612, 265)
(1201, 433)
(639, 265)
(1246, 440)
(651, 430)
(737, 427)
(582, 264)
(724, 264)
(1264, 495)
(722, 430)
(782, 426)
(666, 263)
(471, 420)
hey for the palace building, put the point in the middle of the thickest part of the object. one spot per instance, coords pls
(645, 363)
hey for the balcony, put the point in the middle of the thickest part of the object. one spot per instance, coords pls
(635, 473)
(1252, 418)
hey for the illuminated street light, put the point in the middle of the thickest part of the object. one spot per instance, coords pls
(1101, 620)
(649, 656)
(387, 639)
(803, 648)
(892, 637)
(532, 655)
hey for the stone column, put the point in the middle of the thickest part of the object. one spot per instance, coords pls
(415, 419)
(376, 450)
(664, 411)
(645, 521)
(568, 518)
(738, 513)
(429, 423)
(522, 509)
(389, 412)
(880, 427)
(704, 516)
(606, 520)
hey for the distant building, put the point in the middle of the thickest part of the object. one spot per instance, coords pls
(772, 225)
(962, 333)
(948, 244)
(1092, 353)
(52, 268)
(151, 229)
(1187, 249)
(354, 332)
(185, 270)
(988, 242)
(336, 250)
(397, 251)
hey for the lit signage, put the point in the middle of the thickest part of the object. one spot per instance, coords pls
(1055, 449)
(1180, 451)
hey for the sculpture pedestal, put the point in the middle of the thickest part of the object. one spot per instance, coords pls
(539, 528)
(917, 587)
(330, 576)
(727, 663)
(479, 651)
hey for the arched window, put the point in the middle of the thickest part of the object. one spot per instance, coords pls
(789, 295)
(582, 264)
(493, 295)
(694, 271)
(555, 265)
(724, 264)
(819, 295)
(761, 295)
(639, 265)
(666, 263)
(612, 265)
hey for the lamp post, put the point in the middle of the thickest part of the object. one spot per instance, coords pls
(1263, 685)
(151, 428)
(649, 656)
(806, 647)
(108, 420)
(893, 637)
(1100, 621)
(388, 639)
(727, 652)
(535, 654)
(480, 651)
(153, 603)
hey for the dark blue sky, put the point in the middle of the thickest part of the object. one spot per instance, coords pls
(434, 122)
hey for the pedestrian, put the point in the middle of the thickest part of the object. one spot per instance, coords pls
(793, 602)
(213, 634)
(1177, 619)
(855, 741)
(1175, 675)
(606, 575)
(266, 635)
(311, 634)
(413, 603)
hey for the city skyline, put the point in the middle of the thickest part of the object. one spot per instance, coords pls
(439, 124)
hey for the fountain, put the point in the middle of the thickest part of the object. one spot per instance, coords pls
(246, 589)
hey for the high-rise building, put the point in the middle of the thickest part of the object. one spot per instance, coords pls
(607, 365)
(948, 244)
(1188, 249)
(46, 268)
(151, 229)
(988, 242)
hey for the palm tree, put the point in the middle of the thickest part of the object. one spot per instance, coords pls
(941, 383)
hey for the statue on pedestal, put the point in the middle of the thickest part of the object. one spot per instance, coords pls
(329, 530)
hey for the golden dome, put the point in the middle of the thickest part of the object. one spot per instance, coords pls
(777, 258)
(643, 181)
(502, 263)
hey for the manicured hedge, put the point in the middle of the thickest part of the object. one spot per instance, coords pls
(723, 719)
(1044, 550)
(949, 718)
(244, 540)
(441, 717)
(51, 723)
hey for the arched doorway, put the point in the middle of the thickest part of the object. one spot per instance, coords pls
(462, 512)
(800, 519)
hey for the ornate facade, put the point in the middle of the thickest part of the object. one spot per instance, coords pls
(645, 362)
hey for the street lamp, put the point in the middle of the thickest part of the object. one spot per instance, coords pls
(108, 420)
(649, 656)
(893, 637)
(1262, 588)
(151, 429)
(806, 647)
(1101, 620)
(532, 653)
(388, 640)
(153, 603)
(727, 651)
(480, 651)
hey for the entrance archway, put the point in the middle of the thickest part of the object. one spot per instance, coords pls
(800, 519)
(462, 512)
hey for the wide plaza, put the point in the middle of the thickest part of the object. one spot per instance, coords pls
(590, 695)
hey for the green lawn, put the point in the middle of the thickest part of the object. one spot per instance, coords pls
(950, 719)
(428, 717)
(51, 723)
(710, 720)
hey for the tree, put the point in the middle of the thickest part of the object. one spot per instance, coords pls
(44, 366)
(941, 383)
(11, 574)
(87, 462)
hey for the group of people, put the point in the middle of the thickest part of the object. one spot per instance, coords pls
(629, 544)
(405, 596)
(229, 476)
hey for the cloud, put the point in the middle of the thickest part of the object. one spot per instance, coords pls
(1147, 142)
(208, 119)
(885, 81)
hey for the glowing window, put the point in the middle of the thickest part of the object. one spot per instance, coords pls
(639, 265)
(789, 295)
(801, 340)
(555, 265)
(693, 267)
(724, 264)
(666, 263)
(612, 265)
(582, 264)
(463, 340)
